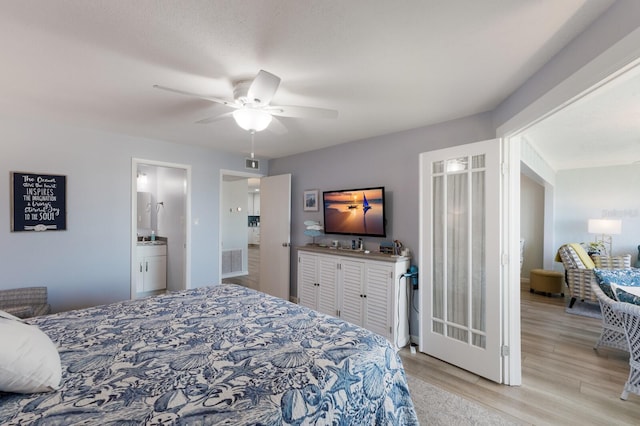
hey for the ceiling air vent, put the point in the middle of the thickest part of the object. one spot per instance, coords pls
(251, 163)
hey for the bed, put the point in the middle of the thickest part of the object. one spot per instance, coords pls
(224, 354)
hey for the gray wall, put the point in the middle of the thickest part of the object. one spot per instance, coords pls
(89, 263)
(595, 193)
(391, 161)
(622, 18)
(531, 223)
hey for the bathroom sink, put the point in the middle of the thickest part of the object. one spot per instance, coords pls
(151, 243)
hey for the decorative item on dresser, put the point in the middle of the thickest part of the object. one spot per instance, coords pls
(313, 230)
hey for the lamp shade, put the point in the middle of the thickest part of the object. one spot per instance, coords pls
(252, 119)
(605, 226)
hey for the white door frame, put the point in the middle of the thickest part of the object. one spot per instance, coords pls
(134, 219)
(612, 63)
(228, 172)
(510, 273)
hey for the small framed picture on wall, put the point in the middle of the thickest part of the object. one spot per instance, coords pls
(311, 200)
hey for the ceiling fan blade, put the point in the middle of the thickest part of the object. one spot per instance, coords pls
(231, 104)
(301, 112)
(215, 118)
(277, 127)
(263, 88)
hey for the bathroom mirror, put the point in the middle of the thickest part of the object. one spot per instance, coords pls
(144, 210)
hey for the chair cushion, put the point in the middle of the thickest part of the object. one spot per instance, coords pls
(620, 277)
(626, 277)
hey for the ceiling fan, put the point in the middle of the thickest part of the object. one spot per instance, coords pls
(252, 104)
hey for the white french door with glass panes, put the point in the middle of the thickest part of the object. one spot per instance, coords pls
(460, 257)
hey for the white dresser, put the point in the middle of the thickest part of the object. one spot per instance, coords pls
(365, 289)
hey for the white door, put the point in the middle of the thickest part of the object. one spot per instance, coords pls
(275, 235)
(379, 300)
(327, 279)
(308, 280)
(155, 277)
(460, 257)
(352, 299)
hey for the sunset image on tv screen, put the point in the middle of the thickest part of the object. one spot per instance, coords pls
(357, 212)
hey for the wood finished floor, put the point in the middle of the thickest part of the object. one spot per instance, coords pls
(564, 380)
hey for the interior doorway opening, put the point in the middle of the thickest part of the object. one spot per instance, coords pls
(160, 235)
(240, 229)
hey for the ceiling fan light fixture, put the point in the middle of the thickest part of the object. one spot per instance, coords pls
(252, 119)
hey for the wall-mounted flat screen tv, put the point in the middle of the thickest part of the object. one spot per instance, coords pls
(355, 212)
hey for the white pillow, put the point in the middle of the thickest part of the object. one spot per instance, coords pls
(29, 361)
(613, 290)
(635, 290)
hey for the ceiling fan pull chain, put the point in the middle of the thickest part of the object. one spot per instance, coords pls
(253, 134)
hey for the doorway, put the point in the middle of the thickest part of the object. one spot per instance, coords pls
(160, 208)
(533, 201)
(614, 62)
(273, 263)
(240, 228)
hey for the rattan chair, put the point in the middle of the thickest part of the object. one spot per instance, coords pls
(25, 302)
(613, 334)
(630, 316)
(580, 277)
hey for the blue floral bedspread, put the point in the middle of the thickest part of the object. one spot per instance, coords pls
(215, 355)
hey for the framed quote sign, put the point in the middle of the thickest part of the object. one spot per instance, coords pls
(38, 202)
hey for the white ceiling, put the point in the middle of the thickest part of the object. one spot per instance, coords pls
(600, 129)
(386, 66)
